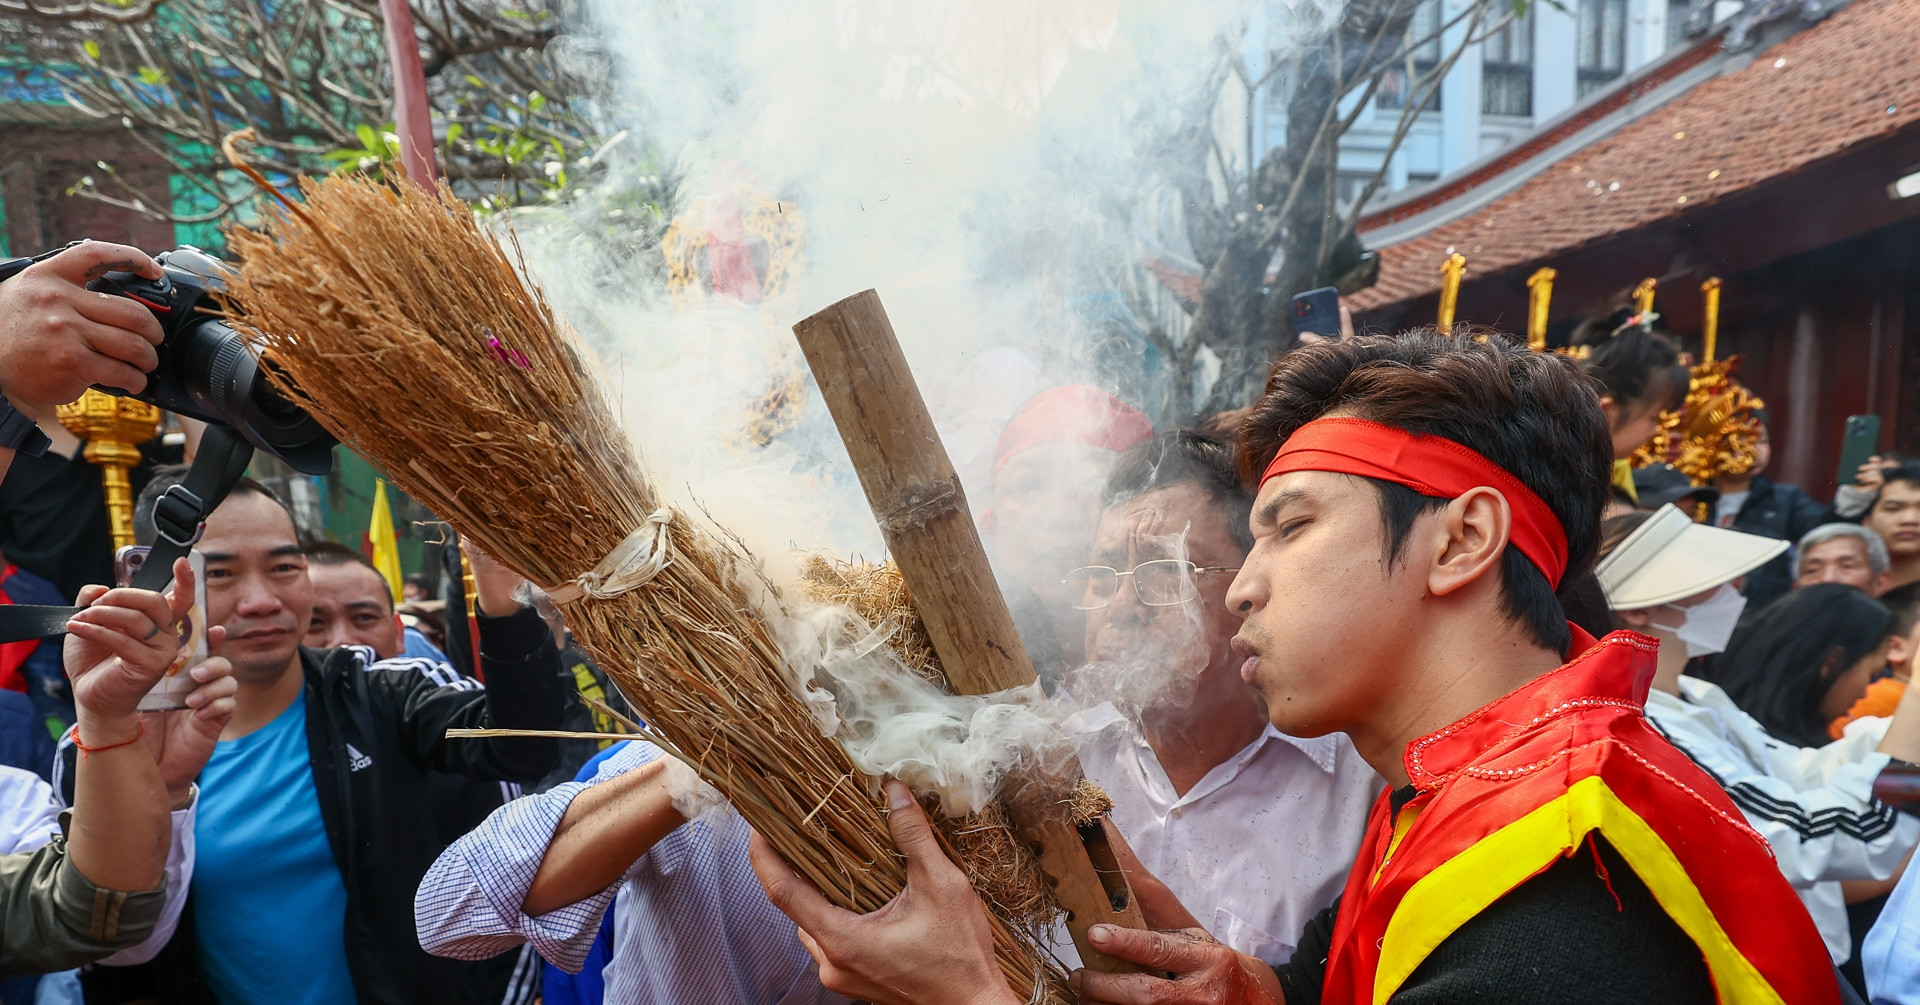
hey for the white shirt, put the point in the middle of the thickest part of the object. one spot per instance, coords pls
(1814, 805)
(692, 923)
(1728, 507)
(1258, 846)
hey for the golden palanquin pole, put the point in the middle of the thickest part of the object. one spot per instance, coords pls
(114, 427)
(1450, 271)
(1643, 295)
(1539, 300)
(1710, 325)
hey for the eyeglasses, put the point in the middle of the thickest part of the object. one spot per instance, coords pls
(1163, 582)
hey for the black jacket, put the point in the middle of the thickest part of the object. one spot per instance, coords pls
(373, 736)
(1784, 513)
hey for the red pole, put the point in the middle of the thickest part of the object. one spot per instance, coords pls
(413, 118)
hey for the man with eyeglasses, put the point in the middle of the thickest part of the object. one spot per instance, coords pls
(1251, 829)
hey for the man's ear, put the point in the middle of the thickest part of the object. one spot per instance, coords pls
(1477, 527)
(1637, 620)
(1900, 651)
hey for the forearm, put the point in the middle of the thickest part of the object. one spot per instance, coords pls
(120, 831)
(179, 881)
(522, 669)
(6, 461)
(606, 829)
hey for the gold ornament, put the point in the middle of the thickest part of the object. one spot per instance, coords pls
(774, 231)
(114, 427)
(1714, 433)
(775, 235)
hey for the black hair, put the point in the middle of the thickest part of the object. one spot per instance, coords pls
(1531, 413)
(1903, 602)
(1585, 602)
(1908, 472)
(1781, 663)
(335, 553)
(167, 476)
(1633, 364)
(1185, 455)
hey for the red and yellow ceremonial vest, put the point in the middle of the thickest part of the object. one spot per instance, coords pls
(1505, 792)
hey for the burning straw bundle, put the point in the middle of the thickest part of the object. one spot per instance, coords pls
(405, 328)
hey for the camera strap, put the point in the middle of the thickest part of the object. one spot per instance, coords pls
(179, 517)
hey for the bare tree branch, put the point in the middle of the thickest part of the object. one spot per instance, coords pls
(82, 10)
(312, 79)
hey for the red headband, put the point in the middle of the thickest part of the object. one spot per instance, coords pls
(1431, 466)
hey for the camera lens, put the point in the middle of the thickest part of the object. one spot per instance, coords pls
(223, 375)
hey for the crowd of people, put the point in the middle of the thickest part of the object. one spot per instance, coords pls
(1424, 678)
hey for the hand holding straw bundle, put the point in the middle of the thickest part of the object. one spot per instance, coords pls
(405, 328)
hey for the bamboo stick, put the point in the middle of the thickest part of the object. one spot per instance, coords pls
(923, 514)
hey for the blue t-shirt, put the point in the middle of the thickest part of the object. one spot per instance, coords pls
(269, 908)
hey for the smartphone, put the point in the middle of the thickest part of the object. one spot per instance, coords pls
(174, 686)
(1862, 440)
(1317, 311)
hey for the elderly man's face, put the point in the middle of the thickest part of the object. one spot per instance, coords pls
(1840, 560)
(1178, 542)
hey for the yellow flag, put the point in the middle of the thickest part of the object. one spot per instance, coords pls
(386, 554)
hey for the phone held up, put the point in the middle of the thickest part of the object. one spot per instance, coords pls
(1317, 311)
(1862, 441)
(174, 686)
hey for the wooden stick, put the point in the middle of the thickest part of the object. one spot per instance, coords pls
(923, 514)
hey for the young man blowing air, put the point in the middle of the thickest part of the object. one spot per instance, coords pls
(1420, 497)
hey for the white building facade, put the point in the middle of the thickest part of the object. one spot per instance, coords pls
(1503, 87)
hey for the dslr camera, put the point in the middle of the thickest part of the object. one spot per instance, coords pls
(207, 370)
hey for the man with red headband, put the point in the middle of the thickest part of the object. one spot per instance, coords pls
(1420, 498)
(1052, 460)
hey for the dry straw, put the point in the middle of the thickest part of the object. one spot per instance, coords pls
(389, 313)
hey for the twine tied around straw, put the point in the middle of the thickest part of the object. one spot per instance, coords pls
(630, 565)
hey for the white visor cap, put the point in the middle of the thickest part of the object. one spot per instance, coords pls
(1670, 557)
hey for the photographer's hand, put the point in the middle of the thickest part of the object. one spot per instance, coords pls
(57, 337)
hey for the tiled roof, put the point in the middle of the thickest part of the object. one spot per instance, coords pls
(1851, 79)
(1183, 284)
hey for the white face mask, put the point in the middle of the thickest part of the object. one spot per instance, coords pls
(1706, 626)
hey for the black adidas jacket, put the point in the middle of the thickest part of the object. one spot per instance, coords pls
(374, 735)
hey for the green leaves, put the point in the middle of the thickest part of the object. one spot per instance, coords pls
(377, 147)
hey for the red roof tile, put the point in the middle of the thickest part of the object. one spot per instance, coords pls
(1850, 79)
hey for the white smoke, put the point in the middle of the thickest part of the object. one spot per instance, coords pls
(894, 724)
(988, 166)
(1152, 665)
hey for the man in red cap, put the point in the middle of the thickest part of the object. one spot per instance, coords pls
(1420, 499)
(1047, 473)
